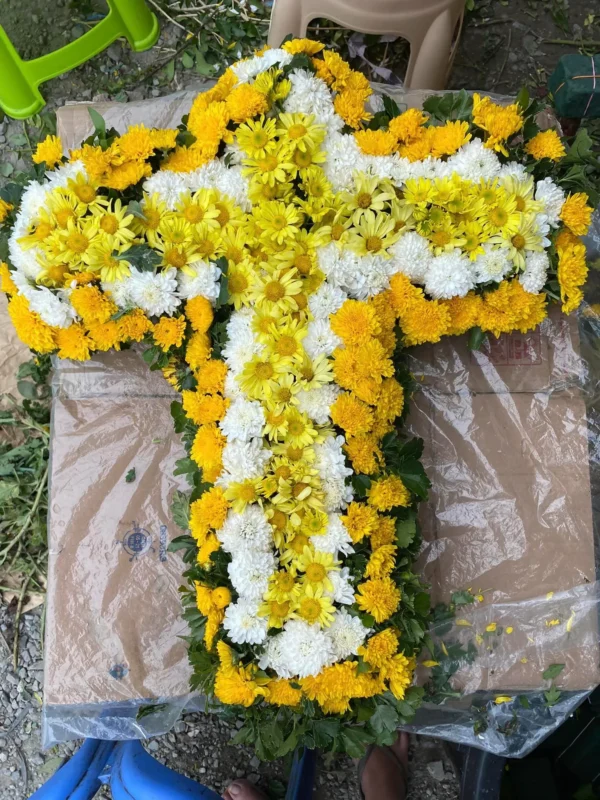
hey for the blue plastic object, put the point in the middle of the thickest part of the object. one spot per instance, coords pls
(78, 779)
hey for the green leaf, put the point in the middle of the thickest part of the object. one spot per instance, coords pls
(183, 466)
(476, 338)
(130, 477)
(179, 418)
(202, 65)
(170, 70)
(146, 711)
(523, 701)
(362, 667)
(187, 60)
(385, 718)
(462, 598)
(98, 122)
(406, 530)
(523, 99)
(27, 389)
(552, 696)
(553, 671)
(141, 256)
(414, 477)
(135, 208)
(422, 603)
(181, 543)
(390, 106)
(180, 510)
(355, 741)
(6, 169)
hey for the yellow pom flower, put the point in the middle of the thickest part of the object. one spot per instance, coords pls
(244, 102)
(282, 693)
(424, 321)
(5, 209)
(572, 274)
(30, 327)
(211, 377)
(378, 597)
(403, 294)
(500, 122)
(73, 342)
(360, 520)
(351, 414)
(388, 493)
(576, 214)
(187, 159)
(92, 305)
(207, 448)
(133, 326)
(447, 139)
(169, 332)
(546, 144)
(210, 545)
(105, 335)
(198, 350)
(364, 453)
(379, 649)
(203, 408)
(407, 126)
(6, 282)
(335, 686)
(464, 313)
(235, 685)
(376, 143)
(510, 308)
(355, 322)
(221, 597)
(208, 513)
(211, 628)
(297, 46)
(385, 533)
(49, 151)
(361, 369)
(351, 108)
(399, 674)
(390, 403)
(382, 562)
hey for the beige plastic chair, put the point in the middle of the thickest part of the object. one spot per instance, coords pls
(428, 25)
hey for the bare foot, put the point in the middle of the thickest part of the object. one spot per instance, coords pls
(243, 790)
(384, 774)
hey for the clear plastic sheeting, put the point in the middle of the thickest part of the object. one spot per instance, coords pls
(512, 446)
(114, 626)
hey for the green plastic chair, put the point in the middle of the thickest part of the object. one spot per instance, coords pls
(19, 93)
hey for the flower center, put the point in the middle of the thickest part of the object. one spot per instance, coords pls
(300, 490)
(315, 573)
(194, 214)
(224, 215)
(440, 238)
(283, 472)
(85, 192)
(294, 453)
(259, 139)
(364, 200)
(498, 217)
(307, 373)
(285, 582)
(280, 610)
(43, 230)
(301, 301)
(398, 225)
(284, 395)
(296, 131)
(520, 203)
(299, 542)
(63, 216)
(206, 247)
(336, 231)
(518, 241)
(296, 427)
(247, 493)
(264, 370)
(152, 220)
(77, 242)
(278, 520)
(303, 264)
(268, 163)
(274, 291)
(302, 160)
(310, 609)
(286, 346)
(237, 284)
(176, 258)
(109, 223)
(279, 222)
(373, 244)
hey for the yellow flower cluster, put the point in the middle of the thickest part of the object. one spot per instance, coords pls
(499, 122)
(5, 209)
(48, 152)
(408, 136)
(352, 89)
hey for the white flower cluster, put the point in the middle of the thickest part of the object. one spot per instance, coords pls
(330, 463)
(228, 180)
(250, 68)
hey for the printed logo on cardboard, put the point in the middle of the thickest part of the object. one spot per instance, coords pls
(137, 542)
(514, 350)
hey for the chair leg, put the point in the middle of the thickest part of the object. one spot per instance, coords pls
(428, 65)
(286, 18)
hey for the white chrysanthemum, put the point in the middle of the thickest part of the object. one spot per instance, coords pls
(243, 624)
(243, 460)
(169, 186)
(337, 493)
(411, 256)
(326, 300)
(248, 531)
(243, 420)
(342, 268)
(232, 183)
(317, 402)
(311, 95)
(344, 157)
(492, 265)
(251, 67)
(233, 390)
(427, 168)
(241, 343)
(473, 161)
(51, 308)
(153, 293)
(32, 200)
(394, 167)
(320, 339)
(533, 278)
(274, 657)
(374, 273)
(335, 540)
(204, 281)
(330, 460)
(25, 261)
(305, 649)
(542, 228)
(60, 177)
(343, 591)
(449, 275)
(347, 634)
(249, 573)
(513, 169)
(233, 154)
(553, 197)
(119, 292)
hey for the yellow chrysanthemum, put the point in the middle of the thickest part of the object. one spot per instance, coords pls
(576, 214)
(351, 414)
(351, 108)
(500, 122)
(447, 139)
(211, 377)
(282, 693)
(207, 449)
(361, 369)
(6, 282)
(5, 209)
(210, 545)
(169, 332)
(546, 144)
(388, 493)
(244, 102)
(510, 308)
(376, 143)
(378, 597)
(92, 305)
(385, 533)
(424, 321)
(187, 159)
(355, 322)
(399, 674)
(208, 513)
(49, 151)
(391, 400)
(297, 46)
(198, 350)
(133, 326)
(105, 336)
(407, 126)
(572, 274)
(382, 562)
(360, 520)
(30, 328)
(364, 453)
(73, 342)
(203, 408)
(235, 685)
(379, 649)
(200, 313)
(334, 687)
(403, 294)
(464, 313)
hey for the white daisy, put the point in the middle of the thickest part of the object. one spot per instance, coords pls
(153, 293)
(243, 624)
(249, 573)
(243, 420)
(449, 275)
(347, 634)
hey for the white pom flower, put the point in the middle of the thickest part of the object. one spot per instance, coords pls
(311, 95)
(492, 265)
(347, 634)
(249, 573)
(326, 300)
(411, 256)
(32, 200)
(317, 402)
(513, 169)
(275, 657)
(51, 308)
(330, 459)
(305, 649)
(241, 342)
(154, 293)
(243, 420)
(320, 339)
(251, 67)
(248, 531)
(553, 197)
(59, 178)
(449, 275)
(243, 624)
(335, 540)
(169, 186)
(233, 389)
(200, 278)
(533, 278)
(373, 276)
(242, 461)
(337, 493)
(119, 292)
(343, 591)
(473, 161)
(26, 261)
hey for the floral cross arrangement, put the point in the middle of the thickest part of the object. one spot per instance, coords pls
(276, 254)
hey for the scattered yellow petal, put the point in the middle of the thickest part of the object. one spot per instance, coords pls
(491, 627)
(550, 623)
(479, 598)
(464, 623)
(570, 622)
(530, 640)
(550, 595)
(510, 629)
(479, 638)
(524, 660)
(431, 663)
(503, 698)
(443, 646)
